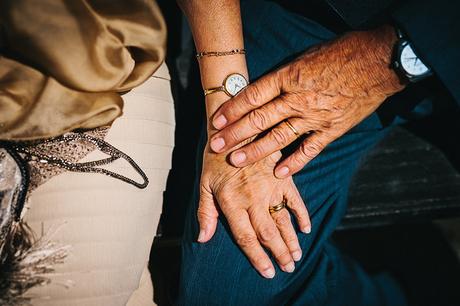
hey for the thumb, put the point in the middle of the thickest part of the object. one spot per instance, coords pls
(207, 216)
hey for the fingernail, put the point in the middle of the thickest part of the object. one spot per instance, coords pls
(219, 122)
(238, 157)
(269, 273)
(217, 144)
(289, 268)
(296, 255)
(282, 172)
(201, 236)
(307, 229)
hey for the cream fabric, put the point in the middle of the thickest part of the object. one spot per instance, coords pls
(109, 224)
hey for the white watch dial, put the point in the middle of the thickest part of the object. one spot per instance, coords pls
(411, 63)
(235, 83)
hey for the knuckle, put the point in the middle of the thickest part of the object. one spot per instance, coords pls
(300, 159)
(252, 94)
(258, 120)
(203, 213)
(310, 149)
(288, 105)
(282, 107)
(225, 195)
(228, 109)
(299, 209)
(283, 256)
(226, 203)
(260, 261)
(232, 134)
(274, 80)
(295, 73)
(292, 241)
(246, 240)
(326, 124)
(283, 220)
(296, 203)
(256, 151)
(279, 136)
(268, 233)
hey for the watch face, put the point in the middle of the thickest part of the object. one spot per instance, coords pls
(411, 63)
(234, 83)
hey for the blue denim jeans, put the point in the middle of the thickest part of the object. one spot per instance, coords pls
(218, 273)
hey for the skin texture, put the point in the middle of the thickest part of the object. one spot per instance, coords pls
(323, 93)
(242, 196)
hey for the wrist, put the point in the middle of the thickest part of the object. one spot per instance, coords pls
(212, 103)
(213, 71)
(382, 42)
(367, 58)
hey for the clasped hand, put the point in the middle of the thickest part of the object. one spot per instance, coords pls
(322, 94)
(244, 195)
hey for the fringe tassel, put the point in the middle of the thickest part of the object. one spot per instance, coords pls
(25, 262)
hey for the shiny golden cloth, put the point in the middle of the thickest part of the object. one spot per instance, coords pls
(63, 64)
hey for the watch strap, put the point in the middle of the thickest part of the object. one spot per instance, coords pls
(399, 33)
(208, 91)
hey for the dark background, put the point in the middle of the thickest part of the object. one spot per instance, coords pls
(396, 234)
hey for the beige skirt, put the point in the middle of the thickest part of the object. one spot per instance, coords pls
(108, 224)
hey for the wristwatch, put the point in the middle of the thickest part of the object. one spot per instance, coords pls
(232, 85)
(407, 63)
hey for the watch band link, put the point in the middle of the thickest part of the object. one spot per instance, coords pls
(213, 90)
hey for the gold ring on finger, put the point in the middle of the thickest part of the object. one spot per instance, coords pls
(293, 129)
(278, 207)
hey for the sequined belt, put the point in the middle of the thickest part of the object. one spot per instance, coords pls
(40, 160)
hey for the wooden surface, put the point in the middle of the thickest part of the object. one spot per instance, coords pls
(404, 179)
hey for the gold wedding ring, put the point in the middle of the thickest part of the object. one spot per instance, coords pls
(292, 127)
(276, 208)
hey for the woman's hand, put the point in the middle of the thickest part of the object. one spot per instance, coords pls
(244, 196)
(324, 93)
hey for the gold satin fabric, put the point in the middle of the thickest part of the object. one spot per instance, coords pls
(64, 63)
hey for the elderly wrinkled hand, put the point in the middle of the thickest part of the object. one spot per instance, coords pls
(322, 94)
(244, 196)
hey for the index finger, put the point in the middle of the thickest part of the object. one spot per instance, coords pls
(253, 96)
(247, 240)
